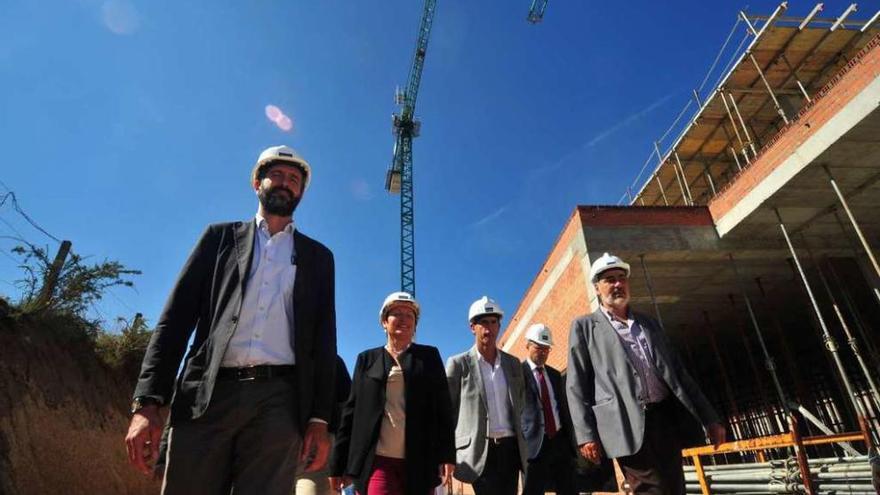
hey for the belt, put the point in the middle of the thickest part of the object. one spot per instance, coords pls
(500, 440)
(654, 406)
(261, 372)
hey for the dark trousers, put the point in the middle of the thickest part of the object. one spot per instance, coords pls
(247, 442)
(656, 468)
(499, 476)
(554, 462)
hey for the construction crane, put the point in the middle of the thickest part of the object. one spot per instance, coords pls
(399, 179)
(536, 11)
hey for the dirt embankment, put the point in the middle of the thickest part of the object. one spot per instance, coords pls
(63, 415)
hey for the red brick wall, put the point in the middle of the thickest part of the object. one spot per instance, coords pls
(566, 299)
(840, 90)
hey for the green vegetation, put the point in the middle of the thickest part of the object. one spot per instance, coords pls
(64, 309)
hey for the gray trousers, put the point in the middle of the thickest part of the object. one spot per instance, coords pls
(247, 442)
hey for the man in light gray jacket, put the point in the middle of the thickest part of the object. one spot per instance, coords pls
(627, 390)
(488, 397)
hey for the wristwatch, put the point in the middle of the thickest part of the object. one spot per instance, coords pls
(139, 402)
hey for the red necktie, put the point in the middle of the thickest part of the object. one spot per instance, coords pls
(549, 419)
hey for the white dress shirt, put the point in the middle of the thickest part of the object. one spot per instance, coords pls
(495, 386)
(265, 327)
(553, 403)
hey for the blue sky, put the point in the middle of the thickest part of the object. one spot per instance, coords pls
(127, 126)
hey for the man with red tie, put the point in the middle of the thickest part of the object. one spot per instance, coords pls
(546, 420)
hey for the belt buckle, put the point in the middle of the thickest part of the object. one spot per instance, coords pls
(247, 374)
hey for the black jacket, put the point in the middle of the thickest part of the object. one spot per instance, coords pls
(207, 298)
(429, 431)
(533, 414)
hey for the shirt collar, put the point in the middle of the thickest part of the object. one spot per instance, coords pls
(261, 224)
(484, 360)
(612, 318)
(532, 364)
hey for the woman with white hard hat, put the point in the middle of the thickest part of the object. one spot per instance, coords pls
(396, 435)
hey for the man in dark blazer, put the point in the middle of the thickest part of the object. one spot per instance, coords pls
(629, 395)
(488, 398)
(255, 392)
(546, 422)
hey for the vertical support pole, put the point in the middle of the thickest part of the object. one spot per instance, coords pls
(735, 158)
(850, 339)
(750, 357)
(790, 363)
(662, 191)
(51, 279)
(855, 253)
(860, 324)
(675, 170)
(769, 89)
(743, 124)
(651, 289)
(701, 475)
(687, 187)
(800, 455)
(742, 144)
(728, 389)
(768, 360)
(708, 174)
(855, 225)
(830, 343)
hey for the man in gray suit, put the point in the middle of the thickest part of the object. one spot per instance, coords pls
(626, 388)
(488, 397)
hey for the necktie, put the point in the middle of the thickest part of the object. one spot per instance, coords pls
(549, 420)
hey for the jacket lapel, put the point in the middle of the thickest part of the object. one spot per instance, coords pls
(303, 265)
(244, 250)
(477, 373)
(607, 332)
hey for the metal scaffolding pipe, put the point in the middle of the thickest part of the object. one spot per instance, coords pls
(708, 175)
(662, 191)
(850, 306)
(743, 124)
(687, 187)
(769, 89)
(830, 343)
(855, 225)
(790, 365)
(762, 392)
(660, 163)
(739, 138)
(768, 359)
(850, 339)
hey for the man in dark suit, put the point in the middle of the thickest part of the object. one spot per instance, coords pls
(255, 392)
(546, 422)
(629, 395)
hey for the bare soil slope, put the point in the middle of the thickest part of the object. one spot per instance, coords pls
(63, 415)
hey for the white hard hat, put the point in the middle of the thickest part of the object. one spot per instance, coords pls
(398, 297)
(484, 306)
(283, 154)
(607, 262)
(539, 333)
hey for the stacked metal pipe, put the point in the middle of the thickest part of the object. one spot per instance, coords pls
(831, 475)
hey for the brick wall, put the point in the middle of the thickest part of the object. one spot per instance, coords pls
(834, 96)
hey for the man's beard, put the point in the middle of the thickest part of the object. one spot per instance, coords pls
(278, 201)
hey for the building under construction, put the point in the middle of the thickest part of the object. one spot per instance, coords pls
(753, 241)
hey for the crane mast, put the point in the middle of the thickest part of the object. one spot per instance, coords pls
(399, 178)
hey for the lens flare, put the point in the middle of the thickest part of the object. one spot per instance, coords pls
(277, 117)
